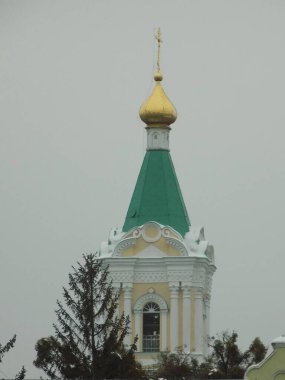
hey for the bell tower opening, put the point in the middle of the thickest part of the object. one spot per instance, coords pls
(151, 327)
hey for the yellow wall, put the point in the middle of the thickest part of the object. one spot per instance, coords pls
(271, 368)
(141, 244)
(162, 289)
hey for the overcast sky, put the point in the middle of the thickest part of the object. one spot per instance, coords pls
(73, 75)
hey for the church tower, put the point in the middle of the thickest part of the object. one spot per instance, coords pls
(162, 265)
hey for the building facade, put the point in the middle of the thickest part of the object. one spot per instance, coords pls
(162, 265)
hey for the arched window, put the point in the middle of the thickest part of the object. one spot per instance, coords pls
(151, 327)
(153, 304)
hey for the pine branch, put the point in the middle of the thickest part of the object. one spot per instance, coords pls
(21, 375)
(87, 332)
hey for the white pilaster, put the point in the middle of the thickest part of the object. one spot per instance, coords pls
(186, 317)
(207, 323)
(163, 336)
(199, 322)
(174, 292)
(117, 289)
(138, 323)
(128, 311)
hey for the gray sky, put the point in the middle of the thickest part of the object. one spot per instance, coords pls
(72, 76)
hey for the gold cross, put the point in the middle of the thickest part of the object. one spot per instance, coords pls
(159, 40)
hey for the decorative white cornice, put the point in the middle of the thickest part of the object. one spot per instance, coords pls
(147, 276)
(179, 275)
(119, 276)
(123, 245)
(178, 245)
(191, 271)
(199, 274)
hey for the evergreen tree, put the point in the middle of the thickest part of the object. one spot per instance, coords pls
(89, 336)
(4, 349)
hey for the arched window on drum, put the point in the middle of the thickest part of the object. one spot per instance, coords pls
(151, 327)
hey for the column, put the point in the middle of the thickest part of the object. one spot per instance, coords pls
(128, 312)
(186, 317)
(199, 321)
(117, 289)
(207, 323)
(163, 333)
(138, 328)
(174, 317)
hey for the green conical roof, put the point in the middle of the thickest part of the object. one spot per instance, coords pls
(157, 196)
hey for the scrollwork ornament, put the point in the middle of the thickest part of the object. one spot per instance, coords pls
(136, 233)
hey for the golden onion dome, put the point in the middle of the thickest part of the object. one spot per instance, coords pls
(158, 111)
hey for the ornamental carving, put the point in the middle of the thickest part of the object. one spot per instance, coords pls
(144, 277)
(166, 232)
(123, 245)
(209, 283)
(178, 245)
(169, 232)
(184, 276)
(150, 297)
(121, 276)
(136, 233)
(151, 232)
(199, 276)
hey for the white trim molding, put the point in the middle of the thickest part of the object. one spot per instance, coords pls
(150, 297)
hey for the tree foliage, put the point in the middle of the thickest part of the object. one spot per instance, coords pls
(171, 365)
(21, 374)
(257, 351)
(4, 349)
(226, 360)
(181, 365)
(89, 337)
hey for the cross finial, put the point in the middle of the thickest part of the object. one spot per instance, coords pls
(159, 40)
